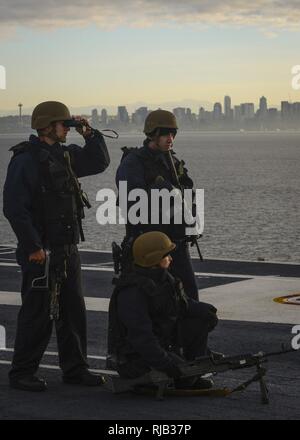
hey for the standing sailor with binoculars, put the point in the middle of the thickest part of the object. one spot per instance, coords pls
(44, 204)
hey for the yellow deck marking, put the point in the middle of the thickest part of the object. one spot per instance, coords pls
(289, 300)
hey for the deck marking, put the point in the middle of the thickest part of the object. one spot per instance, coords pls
(207, 257)
(53, 353)
(54, 367)
(289, 300)
(92, 304)
(2, 338)
(198, 274)
(253, 300)
(248, 300)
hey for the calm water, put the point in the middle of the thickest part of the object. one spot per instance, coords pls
(252, 192)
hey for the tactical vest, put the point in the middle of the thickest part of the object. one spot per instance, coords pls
(166, 302)
(57, 205)
(155, 166)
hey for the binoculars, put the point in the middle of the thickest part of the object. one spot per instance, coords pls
(80, 124)
(74, 123)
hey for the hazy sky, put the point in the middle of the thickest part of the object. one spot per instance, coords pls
(126, 51)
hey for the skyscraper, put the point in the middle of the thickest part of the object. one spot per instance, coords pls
(263, 105)
(95, 118)
(139, 116)
(227, 107)
(263, 108)
(201, 114)
(123, 115)
(104, 117)
(286, 109)
(217, 113)
(189, 116)
(180, 113)
(237, 113)
(296, 110)
(247, 110)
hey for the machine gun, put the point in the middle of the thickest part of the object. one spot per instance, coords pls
(200, 367)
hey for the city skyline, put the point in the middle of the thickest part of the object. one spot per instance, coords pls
(193, 104)
(223, 116)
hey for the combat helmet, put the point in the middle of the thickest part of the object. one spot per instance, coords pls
(47, 112)
(159, 119)
(150, 248)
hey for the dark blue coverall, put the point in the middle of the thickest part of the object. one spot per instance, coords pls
(132, 170)
(34, 326)
(152, 321)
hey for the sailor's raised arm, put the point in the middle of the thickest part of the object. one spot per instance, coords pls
(91, 159)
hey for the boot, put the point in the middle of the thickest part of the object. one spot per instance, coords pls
(28, 383)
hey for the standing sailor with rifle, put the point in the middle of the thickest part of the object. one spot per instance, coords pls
(155, 166)
(44, 204)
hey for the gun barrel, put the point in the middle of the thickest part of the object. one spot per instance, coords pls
(175, 177)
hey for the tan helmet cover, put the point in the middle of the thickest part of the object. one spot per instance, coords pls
(159, 119)
(150, 248)
(47, 112)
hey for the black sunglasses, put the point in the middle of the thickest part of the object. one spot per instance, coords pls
(167, 131)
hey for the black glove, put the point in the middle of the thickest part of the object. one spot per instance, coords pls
(213, 319)
(172, 369)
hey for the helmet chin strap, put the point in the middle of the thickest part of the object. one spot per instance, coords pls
(154, 137)
(52, 135)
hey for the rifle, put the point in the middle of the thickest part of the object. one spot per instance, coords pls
(176, 181)
(58, 275)
(81, 197)
(51, 281)
(43, 281)
(117, 257)
(194, 242)
(200, 367)
(122, 255)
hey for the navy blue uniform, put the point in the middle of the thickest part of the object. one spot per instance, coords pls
(22, 184)
(21, 191)
(151, 319)
(133, 170)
